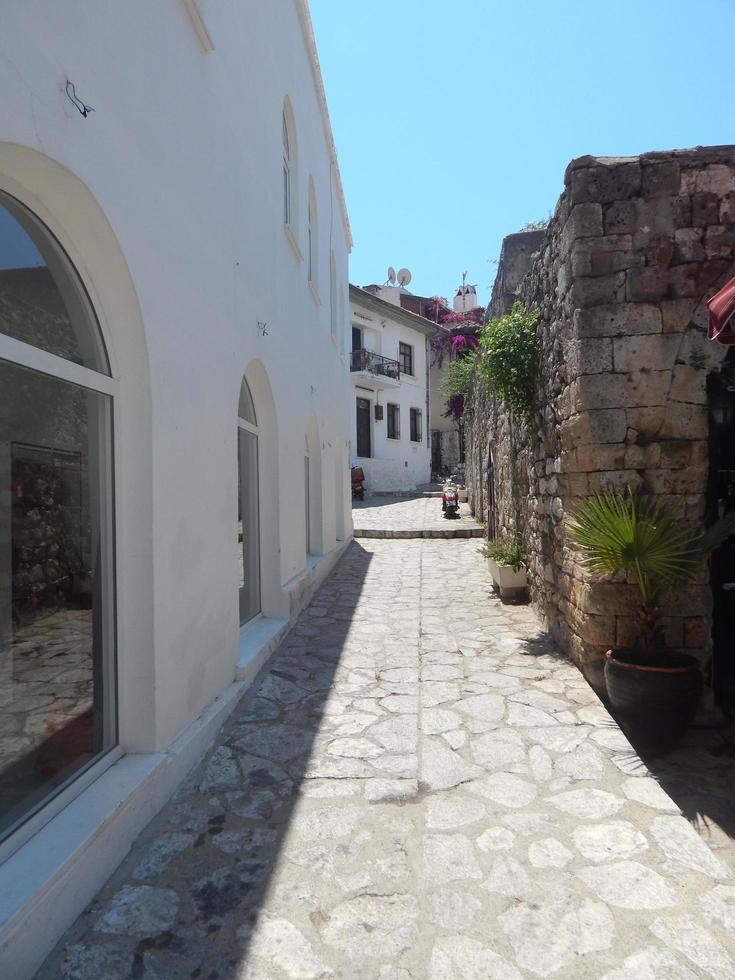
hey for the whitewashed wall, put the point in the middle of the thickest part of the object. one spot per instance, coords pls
(168, 197)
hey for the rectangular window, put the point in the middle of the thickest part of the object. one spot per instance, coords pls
(394, 421)
(356, 339)
(405, 358)
(415, 425)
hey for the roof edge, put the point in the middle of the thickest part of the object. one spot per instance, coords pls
(381, 306)
(307, 30)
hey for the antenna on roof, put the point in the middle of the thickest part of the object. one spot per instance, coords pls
(404, 277)
(391, 275)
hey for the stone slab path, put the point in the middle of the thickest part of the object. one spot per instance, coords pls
(419, 787)
(417, 517)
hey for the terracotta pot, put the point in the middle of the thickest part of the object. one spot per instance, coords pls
(654, 700)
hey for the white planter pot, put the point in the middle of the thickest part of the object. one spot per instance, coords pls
(510, 583)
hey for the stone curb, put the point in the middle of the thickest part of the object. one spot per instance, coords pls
(439, 532)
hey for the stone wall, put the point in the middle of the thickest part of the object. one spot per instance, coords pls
(635, 248)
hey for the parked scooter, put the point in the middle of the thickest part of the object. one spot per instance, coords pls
(450, 501)
(358, 482)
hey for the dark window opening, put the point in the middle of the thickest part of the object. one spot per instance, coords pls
(405, 358)
(394, 422)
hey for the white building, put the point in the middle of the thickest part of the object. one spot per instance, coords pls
(389, 370)
(174, 409)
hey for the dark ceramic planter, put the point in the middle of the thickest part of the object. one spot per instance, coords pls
(654, 702)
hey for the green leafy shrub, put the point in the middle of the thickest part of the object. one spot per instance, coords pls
(506, 550)
(508, 360)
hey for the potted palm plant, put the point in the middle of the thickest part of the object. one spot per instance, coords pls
(653, 691)
(506, 562)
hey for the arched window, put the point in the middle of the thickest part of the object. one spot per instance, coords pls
(286, 174)
(57, 630)
(312, 236)
(248, 517)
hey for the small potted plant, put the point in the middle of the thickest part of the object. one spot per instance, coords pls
(653, 691)
(506, 562)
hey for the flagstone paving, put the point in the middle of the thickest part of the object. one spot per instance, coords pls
(418, 786)
(400, 517)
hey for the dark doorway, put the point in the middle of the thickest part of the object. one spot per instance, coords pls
(363, 427)
(721, 501)
(356, 339)
(436, 455)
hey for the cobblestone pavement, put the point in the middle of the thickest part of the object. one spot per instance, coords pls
(403, 517)
(418, 786)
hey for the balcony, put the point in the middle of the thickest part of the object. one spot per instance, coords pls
(366, 360)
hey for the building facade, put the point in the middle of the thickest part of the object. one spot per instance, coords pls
(174, 409)
(389, 373)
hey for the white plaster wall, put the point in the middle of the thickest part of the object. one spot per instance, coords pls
(396, 464)
(181, 164)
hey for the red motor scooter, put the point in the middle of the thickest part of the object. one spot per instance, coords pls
(358, 482)
(450, 501)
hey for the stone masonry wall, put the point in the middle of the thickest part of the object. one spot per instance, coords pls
(635, 248)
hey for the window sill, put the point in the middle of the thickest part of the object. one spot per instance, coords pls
(393, 438)
(291, 239)
(314, 293)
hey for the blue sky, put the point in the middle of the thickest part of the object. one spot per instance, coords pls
(454, 121)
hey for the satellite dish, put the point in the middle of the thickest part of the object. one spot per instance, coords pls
(404, 277)
(391, 275)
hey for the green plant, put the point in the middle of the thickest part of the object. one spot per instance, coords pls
(459, 376)
(508, 359)
(506, 550)
(643, 538)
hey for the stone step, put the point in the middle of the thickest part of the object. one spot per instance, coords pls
(421, 532)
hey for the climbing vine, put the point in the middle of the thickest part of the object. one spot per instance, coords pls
(508, 358)
(456, 384)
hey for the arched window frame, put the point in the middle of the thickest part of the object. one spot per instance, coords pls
(100, 380)
(250, 598)
(290, 178)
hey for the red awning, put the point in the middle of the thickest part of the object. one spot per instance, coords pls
(721, 311)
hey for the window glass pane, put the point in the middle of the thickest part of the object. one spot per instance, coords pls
(248, 525)
(42, 301)
(56, 608)
(246, 408)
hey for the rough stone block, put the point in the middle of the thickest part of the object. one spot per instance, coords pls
(692, 479)
(622, 390)
(719, 242)
(705, 209)
(684, 421)
(656, 352)
(605, 457)
(605, 182)
(675, 453)
(660, 178)
(592, 291)
(689, 384)
(716, 179)
(646, 285)
(584, 220)
(618, 320)
(607, 425)
(621, 217)
(727, 209)
(590, 356)
(606, 598)
(641, 457)
(676, 314)
(688, 245)
(646, 422)
(681, 209)
(614, 480)
(696, 506)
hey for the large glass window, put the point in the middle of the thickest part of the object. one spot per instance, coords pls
(248, 519)
(57, 666)
(405, 358)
